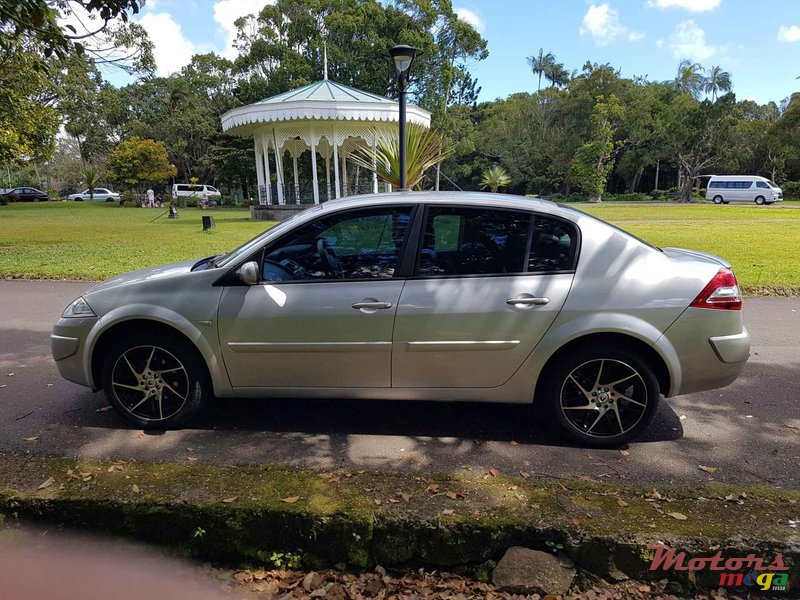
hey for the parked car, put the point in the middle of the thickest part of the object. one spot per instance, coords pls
(100, 195)
(723, 189)
(418, 296)
(25, 194)
(198, 191)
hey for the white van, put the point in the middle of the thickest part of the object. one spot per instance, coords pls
(742, 188)
(195, 190)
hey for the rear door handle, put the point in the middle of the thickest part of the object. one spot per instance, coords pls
(527, 301)
(372, 305)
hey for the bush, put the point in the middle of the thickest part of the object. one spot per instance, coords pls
(636, 197)
(191, 202)
(791, 190)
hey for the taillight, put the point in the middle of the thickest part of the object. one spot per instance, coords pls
(722, 292)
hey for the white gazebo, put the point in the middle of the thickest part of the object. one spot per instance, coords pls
(327, 119)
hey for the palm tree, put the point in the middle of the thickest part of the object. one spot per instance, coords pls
(92, 178)
(494, 178)
(717, 81)
(690, 79)
(557, 75)
(425, 148)
(541, 64)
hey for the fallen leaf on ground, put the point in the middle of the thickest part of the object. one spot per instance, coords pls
(577, 522)
(622, 503)
(709, 469)
(135, 489)
(46, 484)
(448, 511)
(230, 500)
(394, 501)
(625, 452)
(524, 474)
(406, 497)
(451, 495)
(494, 472)
(31, 439)
(678, 516)
(290, 499)
(513, 443)
(433, 488)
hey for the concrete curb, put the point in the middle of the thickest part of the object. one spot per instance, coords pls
(245, 513)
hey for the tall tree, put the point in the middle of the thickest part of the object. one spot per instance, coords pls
(137, 163)
(717, 81)
(690, 79)
(594, 159)
(541, 64)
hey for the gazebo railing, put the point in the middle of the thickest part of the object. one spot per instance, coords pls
(307, 192)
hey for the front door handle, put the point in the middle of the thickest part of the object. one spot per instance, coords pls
(527, 301)
(372, 305)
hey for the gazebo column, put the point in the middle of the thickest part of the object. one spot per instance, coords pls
(265, 167)
(296, 180)
(327, 177)
(336, 166)
(278, 170)
(314, 175)
(259, 170)
(374, 164)
(344, 173)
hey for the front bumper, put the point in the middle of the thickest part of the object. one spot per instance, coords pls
(68, 347)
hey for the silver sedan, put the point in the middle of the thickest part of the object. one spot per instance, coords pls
(418, 296)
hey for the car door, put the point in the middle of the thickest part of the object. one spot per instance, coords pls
(487, 285)
(324, 312)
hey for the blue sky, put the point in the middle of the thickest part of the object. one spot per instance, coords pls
(757, 41)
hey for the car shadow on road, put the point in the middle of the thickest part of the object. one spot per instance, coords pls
(481, 422)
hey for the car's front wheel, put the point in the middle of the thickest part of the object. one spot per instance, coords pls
(602, 397)
(718, 200)
(156, 381)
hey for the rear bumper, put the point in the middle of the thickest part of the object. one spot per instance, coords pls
(705, 359)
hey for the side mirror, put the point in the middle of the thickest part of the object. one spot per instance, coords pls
(248, 273)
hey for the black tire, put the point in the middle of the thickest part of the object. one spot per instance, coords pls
(760, 200)
(572, 383)
(718, 200)
(164, 398)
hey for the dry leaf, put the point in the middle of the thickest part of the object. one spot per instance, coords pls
(447, 511)
(524, 474)
(406, 497)
(135, 489)
(433, 488)
(622, 503)
(624, 453)
(290, 499)
(46, 484)
(451, 495)
(394, 501)
(230, 500)
(677, 515)
(377, 502)
(513, 443)
(494, 472)
(577, 522)
(709, 469)
(191, 458)
(31, 439)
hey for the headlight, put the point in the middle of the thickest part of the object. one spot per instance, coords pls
(79, 308)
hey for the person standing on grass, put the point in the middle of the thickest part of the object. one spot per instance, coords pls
(151, 197)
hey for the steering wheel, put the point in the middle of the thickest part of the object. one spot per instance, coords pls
(329, 259)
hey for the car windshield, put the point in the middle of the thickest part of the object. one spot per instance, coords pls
(772, 184)
(251, 245)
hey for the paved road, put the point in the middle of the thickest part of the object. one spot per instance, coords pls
(750, 430)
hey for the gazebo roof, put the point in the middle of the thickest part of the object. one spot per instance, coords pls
(320, 101)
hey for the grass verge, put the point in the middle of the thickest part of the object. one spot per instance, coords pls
(268, 514)
(97, 241)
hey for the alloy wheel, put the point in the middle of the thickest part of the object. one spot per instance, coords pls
(150, 383)
(604, 397)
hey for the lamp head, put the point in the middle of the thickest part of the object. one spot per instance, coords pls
(403, 57)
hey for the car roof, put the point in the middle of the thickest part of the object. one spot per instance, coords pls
(453, 198)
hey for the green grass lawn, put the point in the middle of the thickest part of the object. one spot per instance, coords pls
(96, 241)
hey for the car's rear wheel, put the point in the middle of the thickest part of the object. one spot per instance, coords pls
(760, 200)
(718, 200)
(602, 397)
(156, 381)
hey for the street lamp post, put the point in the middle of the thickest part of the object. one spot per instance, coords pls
(403, 57)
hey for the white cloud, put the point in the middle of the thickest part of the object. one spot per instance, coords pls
(227, 11)
(172, 50)
(689, 41)
(789, 34)
(602, 23)
(473, 18)
(690, 5)
(659, 43)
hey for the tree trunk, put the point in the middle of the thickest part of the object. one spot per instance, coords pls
(595, 198)
(658, 168)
